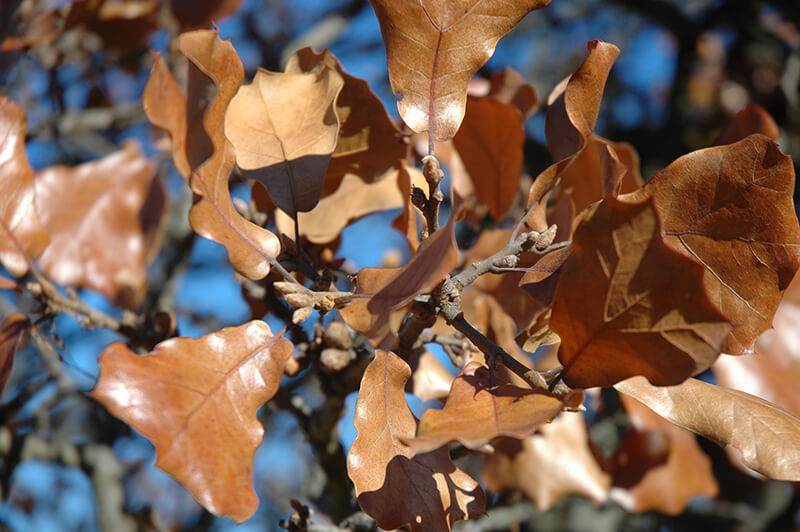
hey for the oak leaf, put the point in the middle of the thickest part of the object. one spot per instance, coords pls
(368, 142)
(477, 412)
(427, 492)
(13, 335)
(23, 237)
(490, 143)
(370, 281)
(767, 436)
(284, 127)
(551, 464)
(668, 486)
(628, 304)
(196, 400)
(752, 119)
(509, 86)
(101, 216)
(194, 14)
(731, 209)
(434, 47)
(430, 380)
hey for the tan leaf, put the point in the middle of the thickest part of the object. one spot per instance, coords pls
(490, 143)
(165, 106)
(194, 14)
(477, 412)
(554, 463)
(406, 221)
(731, 209)
(509, 86)
(22, 235)
(434, 47)
(574, 105)
(95, 215)
(429, 379)
(369, 142)
(427, 492)
(627, 304)
(284, 128)
(666, 487)
(216, 69)
(767, 436)
(13, 336)
(752, 119)
(196, 400)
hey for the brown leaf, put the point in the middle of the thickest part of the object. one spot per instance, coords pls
(427, 491)
(12, 339)
(490, 143)
(196, 400)
(627, 304)
(429, 379)
(370, 281)
(165, 106)
(666, 487)
(509, 86)
(406, 221)
(549, 465)
(477, 412)
(95, 213)
(284, 128)
(353, 200)
(9, 284)
(22, 235)
(434, 47)
(574, 105)
(215, 67)
(731, 209)
(369, 142)
(773, 371)
(194, 14)
(752, 119)
(767, 436)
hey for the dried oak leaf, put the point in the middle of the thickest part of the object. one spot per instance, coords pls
(12, 339)
(194, 14)
(665, 487)
(99, 214)
(434, 47)
(477, 412)
(509, 86)
(368, 143)
(9, 284)
(284, 127)
(215, 74)
(730, 208)
(23, 237)
(490, 143)
(427, 492)
(628, 304)
(429, 378)
(196, 400)
(752, 119)
(551, 464)
(767, 436)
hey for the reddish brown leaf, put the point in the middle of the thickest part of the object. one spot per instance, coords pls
(509, 86)
(406, 221)
(353, 200)
(9, 284)
(773, 371)
(95, 215)
(284, 127)
(22, 235)
(767, 436)
(369, 143)
(731, 209)
(194, 14)
(628, 304)
(752, 119)
(370, 281)
(574, 105)
(196, 400)
(215, 67)
(427, 492)
(549, 465)
(12, 339)
(666, 487)
(165, 106)
(490, 143)
(477, 412)
(434, 47)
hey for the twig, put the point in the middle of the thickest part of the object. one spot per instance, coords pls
(429, 205)
(76, 307)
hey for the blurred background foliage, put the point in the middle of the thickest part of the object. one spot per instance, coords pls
(79, 69)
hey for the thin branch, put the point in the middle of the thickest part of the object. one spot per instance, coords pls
(429, 205)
